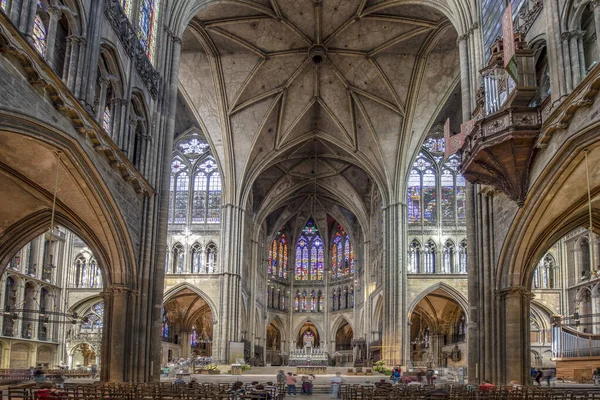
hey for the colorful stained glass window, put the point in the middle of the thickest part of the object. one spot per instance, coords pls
(165, 324)
(39, 35)
(214, 199)
(313, 301)
(278, 255)
(4, 4)
(304, 301)
(106, 120)
(297, 302)
(126, 4)
(429, 196)
(435, 145)
(447, 183)
(309, 254)
(414, 197)
(148, 26)
(194, 338)
(342, 254)
(320, 301)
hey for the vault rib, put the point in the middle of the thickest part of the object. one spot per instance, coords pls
(318, 21)
(282, 102)
(341, 29)
(256, 99)
(333, 117)
(290, 52)
(248, 46)
(365, 115)
(348, 52)
(402, 20)
(388, 84)
(295, 29)
(297, 119)
(275, 8)
(234, 21)
(246, 83)
(398, 39)
(377, 99)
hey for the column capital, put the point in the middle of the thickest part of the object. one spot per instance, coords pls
(514, 291)
(113, 290)
(594, 3)
(462, 38)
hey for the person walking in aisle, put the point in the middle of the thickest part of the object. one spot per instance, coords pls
(336, 382)
(290, 380)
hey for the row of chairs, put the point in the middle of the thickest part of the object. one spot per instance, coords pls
(145, 391)
(455, 392)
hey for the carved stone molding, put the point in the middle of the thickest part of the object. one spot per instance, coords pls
(530, 16)
(128, 38)
(513, 291)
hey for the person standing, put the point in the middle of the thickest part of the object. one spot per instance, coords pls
(538, 377)
(290, 380)
(548, 374)
(336, 383)
(429, 375)
(395, 376)
(596, 376)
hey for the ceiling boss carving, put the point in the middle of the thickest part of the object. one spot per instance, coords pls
(305, 90)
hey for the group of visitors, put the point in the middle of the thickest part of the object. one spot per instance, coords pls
(290, 381)
(538, 374)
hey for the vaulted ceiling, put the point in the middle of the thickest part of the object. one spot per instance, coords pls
(323, 99)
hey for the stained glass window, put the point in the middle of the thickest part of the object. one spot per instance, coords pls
(304, 301)
(414, 251)
(196, 254)
(165, 325)
(126, 4)
(39, 35)
(309, 254)
(313, 302)
(414, 197)
(297, 302)
(320, 301)
(106, 120)
(204, 183)
(429, 196)
(447, 183)
(435, 145)
(342, 254)
(278, 255)
(199, 198)
(3, 4)
(148, 24)
(194, 338)
(178, 259)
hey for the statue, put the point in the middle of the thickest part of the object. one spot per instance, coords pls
(308, 339)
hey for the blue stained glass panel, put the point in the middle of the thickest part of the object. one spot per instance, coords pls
(39, 35)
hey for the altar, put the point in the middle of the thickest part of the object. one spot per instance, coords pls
(308, 357)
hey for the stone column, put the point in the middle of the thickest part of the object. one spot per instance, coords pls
(55, 14)
(574, 39)
(28, 12)
(464, 76)
(595, 311)
(102, 100)
(118, 111)
(116, 335)
(73, 57)
(79, 64)
(185, 343)
(515, 304)
(565, 38)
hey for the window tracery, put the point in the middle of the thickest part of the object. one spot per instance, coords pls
(309, 254)
(342, 254)
(148, 26)
(278, 256)
(40, 35)
(195, 184)
(429, 258)
(544, 273)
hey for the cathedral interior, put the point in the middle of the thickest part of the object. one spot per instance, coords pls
(430, 195)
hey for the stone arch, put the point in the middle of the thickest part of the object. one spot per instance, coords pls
(304, 321)
(173, 291)
(452, 292)
(276, 321)
(338, 323)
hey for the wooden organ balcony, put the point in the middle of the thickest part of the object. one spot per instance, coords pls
(500, 147)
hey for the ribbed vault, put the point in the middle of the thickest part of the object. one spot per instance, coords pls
(326, 98)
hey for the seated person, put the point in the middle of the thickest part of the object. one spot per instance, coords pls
(486, 386)
(47, 391)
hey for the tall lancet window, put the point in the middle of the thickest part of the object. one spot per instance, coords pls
(148, 26)
(309, 254)
(278, 255)
(342, 254)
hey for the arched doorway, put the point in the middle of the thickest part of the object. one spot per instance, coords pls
(274, 349)
(308, 336)
(438, 331)
(343, 345)
(187, 327)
